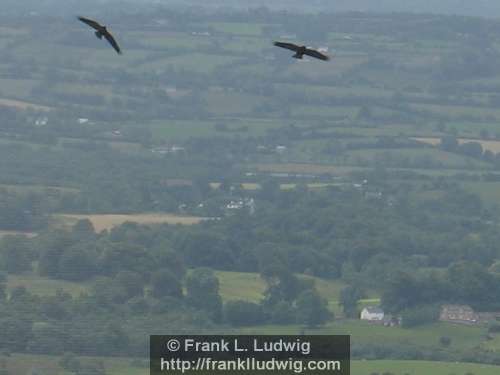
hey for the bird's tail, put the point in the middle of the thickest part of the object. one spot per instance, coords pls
(298, 56)
(98, 34)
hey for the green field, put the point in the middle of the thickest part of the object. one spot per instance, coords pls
(44, 286)
(420, 368)
(488, 191)
(415, 156)
(206, 47)
(16, 88)
(250, 287)
(189, 62)
(230, 103)
(462, 337)
(233, 286)
(324, 111)
(241, 286)
(460, 111)
(22, 364)
(339, 170)
(237, 28)
(49, 365)
(381, 367)
(37, 188)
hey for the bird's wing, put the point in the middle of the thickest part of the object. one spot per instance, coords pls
(316, 54)
(113, 43)
(91, 23)
(289, 46)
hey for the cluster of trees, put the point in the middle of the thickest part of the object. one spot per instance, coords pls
(461, 283)
(287, 300)
(141, 286)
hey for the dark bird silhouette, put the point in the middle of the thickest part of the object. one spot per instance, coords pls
(300, 51)
(102, 31)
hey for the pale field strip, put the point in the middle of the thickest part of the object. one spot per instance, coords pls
(493, 146)
(19, 104)
(4, 233)
(252, 186)
(109, 221)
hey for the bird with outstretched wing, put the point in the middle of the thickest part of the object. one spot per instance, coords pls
(102, 31)
(300, 51)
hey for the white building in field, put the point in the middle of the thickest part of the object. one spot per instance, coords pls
(372, 314)
(41, 121)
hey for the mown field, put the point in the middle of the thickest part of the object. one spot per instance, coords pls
(491, 145)
(250, 186)
(109, 221)
(15, 232)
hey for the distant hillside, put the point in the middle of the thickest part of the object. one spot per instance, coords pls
(486, 8)
(483, 8)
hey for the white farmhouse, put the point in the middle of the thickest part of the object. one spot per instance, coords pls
(41, 121)
(372, 314)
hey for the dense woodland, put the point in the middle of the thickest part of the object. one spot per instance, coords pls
(164, 274)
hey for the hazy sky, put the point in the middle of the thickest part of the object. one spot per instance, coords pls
(490, 8)
(463, 7)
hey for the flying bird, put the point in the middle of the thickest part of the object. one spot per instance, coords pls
(300, 51)
(102, 31)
